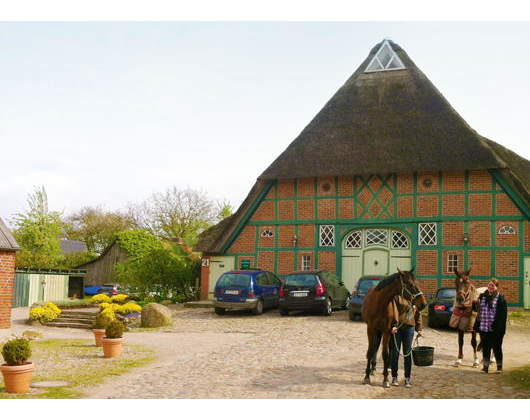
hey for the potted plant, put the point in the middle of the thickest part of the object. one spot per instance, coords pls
(113, 339)
(98, 327)
(17, 370)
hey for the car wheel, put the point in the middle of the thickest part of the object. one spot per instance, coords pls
(347, 303)
(284, 312)
(220, 311)
(327, 309)
(258, 310)
(430, 323)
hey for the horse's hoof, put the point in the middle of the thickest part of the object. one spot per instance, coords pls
(458, 362)
(476, 364)
(366, 381)
(386, 384)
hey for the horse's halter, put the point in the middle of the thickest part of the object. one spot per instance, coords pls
(464, 288)
(404, 289)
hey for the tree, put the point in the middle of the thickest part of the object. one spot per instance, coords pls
(96, 227)
(155, 267)
(177, 213)
(38, 233)
(224, 210)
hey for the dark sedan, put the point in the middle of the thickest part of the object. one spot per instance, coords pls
(441, 307)
(356, 301)
(319, 290)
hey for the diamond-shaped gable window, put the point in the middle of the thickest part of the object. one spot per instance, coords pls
(385, 59)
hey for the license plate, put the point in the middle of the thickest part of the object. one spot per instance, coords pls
(299, 294)
(231, 292)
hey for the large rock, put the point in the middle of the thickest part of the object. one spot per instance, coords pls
(155, 315)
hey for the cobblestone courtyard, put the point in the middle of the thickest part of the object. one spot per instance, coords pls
(238, 355)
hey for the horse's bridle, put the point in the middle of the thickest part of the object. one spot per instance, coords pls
(404, 289)
(465, 295)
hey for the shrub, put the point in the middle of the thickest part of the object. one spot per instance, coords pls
(42, 315)
(100, 298)
(16, 352)
(114, 329)
(70, 303)
(53, 307)
(101, 321)
(129, 308)
(109, 313)
(119, 298)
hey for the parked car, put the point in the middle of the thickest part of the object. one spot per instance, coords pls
(441, 307)
(108, 289)
(318, 290)
(364, 284)
(246, 289)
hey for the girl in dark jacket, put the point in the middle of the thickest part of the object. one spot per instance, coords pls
(491, 324)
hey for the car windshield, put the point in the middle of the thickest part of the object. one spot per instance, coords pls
(234, 280)
(300, 280)
(365, 285)
(446, 293)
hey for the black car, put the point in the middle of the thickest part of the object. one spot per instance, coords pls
(441, 307)
(318, 290)
(363, 285)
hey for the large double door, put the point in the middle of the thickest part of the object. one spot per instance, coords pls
(374, 251)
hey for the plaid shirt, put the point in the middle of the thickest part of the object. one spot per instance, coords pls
(487, 314)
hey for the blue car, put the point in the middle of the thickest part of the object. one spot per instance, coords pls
(246, 289)
(356, 301)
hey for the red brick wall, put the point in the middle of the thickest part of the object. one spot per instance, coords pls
(7, 285)
(205, 279)
(480, 203)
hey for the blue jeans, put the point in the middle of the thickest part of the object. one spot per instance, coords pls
(403, 338)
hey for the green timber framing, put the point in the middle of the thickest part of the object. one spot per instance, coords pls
(409, 225)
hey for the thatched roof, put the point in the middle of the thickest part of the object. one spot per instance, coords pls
(380, 122)
(383, 122)
(7, 241)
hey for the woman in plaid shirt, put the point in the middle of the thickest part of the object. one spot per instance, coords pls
(491, 324)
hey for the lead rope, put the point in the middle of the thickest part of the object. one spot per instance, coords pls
(408, 315)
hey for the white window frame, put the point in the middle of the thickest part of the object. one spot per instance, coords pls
(452, 264)
(373, 243)
(328, 231)
(393, 57)
(397, 232)
(433, 228)
(507, 230)
(306, 262)
(359, 240)
(265, 235)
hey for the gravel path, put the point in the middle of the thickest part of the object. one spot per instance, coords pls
(238, 355)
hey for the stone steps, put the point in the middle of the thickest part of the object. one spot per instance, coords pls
(74, 319)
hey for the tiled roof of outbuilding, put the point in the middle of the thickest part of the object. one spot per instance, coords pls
(7, 241)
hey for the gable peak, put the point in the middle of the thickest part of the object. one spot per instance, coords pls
(385, 59)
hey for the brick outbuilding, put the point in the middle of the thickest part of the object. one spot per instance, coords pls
(8, 249)
(387, 175)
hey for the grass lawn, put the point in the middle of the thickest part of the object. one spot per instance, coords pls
(519, 317)
(79, 362)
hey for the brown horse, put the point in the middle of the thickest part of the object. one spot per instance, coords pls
(466, 302)
(379, 313)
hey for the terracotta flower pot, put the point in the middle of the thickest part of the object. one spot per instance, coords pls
(98, 334)
(17, 378)
(112, 346)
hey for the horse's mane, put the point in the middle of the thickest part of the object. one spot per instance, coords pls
(386, 281)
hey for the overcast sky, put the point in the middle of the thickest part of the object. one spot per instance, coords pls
(107, 113)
